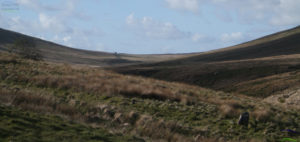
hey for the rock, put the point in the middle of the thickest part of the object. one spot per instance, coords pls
(133, 101)
(244, 119)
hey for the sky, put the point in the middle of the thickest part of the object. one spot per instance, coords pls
(149, 26)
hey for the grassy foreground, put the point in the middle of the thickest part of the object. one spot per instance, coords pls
(42, 101)
(17, 125)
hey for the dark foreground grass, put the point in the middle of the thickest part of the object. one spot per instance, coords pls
(25, 126)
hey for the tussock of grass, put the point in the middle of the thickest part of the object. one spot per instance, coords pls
(229, 111)
(262, 114)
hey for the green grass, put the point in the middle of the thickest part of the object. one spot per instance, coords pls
(18, 125)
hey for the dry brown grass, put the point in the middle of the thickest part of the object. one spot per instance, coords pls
(262, 114)
(199, 138)
(8, 58)
(270, 85)
(99, 82)
(37, 102)
(160, 129)
(229, 110)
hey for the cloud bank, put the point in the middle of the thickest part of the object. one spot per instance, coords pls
(151, 28)
(272, 12)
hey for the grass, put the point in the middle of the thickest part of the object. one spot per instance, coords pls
(148, 109)
(19, 125)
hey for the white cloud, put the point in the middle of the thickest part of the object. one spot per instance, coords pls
(148, 27)
(130, 19)
(53, 23)
(189, 5)
(247, 11)
(272, 12)
(100, 47)
(232, 37)
(37, 5)
(79, 38)
(66, 39)
(47, 21)
(197, 37)
(287, 13)
(55, 38)
(203, 39)
(18, 24)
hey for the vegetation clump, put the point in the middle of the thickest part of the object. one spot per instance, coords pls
(26, 48)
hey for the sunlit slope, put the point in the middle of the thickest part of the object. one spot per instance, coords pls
(282, 43)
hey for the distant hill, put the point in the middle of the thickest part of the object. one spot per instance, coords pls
(245, 68)
(62, 54)
(281, 43)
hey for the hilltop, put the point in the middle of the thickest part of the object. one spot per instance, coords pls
(62, 54)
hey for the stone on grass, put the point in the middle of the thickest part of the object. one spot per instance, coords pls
(244, 119)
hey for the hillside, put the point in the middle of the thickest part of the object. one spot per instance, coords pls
(69, 102)
(259, 68)
(281, 43)
(61, 54)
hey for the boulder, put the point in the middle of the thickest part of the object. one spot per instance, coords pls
(133, 101)
(244, 119)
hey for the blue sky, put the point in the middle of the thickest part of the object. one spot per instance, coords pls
(149, 26)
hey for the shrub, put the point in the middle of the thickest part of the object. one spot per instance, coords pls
(26, 48)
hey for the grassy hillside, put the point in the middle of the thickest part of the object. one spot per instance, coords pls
(245, 68)
(281, 43)
(62, 54)
(92, 104)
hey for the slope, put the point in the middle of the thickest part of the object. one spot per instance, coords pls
(62, 54)
(235, 69)
(281, 43)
